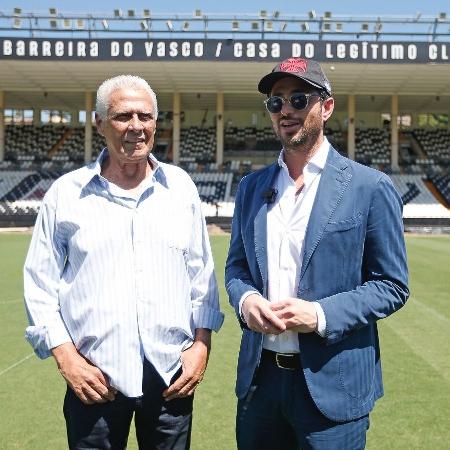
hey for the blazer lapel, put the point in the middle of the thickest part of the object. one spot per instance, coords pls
(265, 182)
(335, 178)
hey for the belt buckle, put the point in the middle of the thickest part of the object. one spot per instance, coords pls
(279, 365)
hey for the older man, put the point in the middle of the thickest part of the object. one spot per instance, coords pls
(120, 285)
(317, 256)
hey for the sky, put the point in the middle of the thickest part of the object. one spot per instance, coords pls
(342, 7)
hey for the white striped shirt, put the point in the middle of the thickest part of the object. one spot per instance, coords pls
(121, 277)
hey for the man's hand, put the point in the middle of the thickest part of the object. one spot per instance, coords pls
(297, 315)
(259, 317)
(88, 382)
(193, 365)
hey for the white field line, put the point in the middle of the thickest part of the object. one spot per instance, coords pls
(427, 359)
(433, 358)
(7, 302)
(2, 372)
(437, 315)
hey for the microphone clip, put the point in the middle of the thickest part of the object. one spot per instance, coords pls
(270, 195)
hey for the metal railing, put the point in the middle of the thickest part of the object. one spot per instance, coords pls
(254, 26)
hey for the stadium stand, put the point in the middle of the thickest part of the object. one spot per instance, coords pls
(436, 146)
(42, 153)
(213, 187)
(250, 138)
(413, 189)
(10, 179)
(198, 144)
(372, 148)
(26, 144)
(26, 177)
(442, 184)
(418, 201)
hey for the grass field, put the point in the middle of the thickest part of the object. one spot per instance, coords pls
(414, 414)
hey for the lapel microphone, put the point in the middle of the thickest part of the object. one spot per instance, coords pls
(270, 195)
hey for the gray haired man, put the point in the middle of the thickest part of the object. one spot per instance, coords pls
(120, 285)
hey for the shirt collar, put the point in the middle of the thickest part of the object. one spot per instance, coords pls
(318, 160)
(93, 169)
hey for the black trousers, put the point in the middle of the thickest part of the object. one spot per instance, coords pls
(160, 425)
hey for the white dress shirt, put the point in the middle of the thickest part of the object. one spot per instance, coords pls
(287, 221)
(121, 275)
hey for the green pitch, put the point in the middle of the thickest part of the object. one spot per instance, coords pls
(415, 355)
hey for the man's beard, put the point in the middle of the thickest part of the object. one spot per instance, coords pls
(296, 142)
(303, 140)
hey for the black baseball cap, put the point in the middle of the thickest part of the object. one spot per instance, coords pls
(306, 69)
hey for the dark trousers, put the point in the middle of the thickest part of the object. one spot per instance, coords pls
(160, 425)
(279, 413)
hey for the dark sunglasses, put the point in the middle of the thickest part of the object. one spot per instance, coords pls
(297, 101)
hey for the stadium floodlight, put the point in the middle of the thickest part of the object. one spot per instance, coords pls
(255, 26)
(118, 12)
(326, 27)
(53, 11)
(268, 25)
(263, 13)
(169, 25)
(17, 11)
(144, 25)
(146, 13)
(442, 16)
(339, 27)
(235, 25)
(198, 13)
(105, 24)
(80, 24)
(276, 14)
(327, 15)
(283, 26)
(185, 26)
(53, 23)
(364, 27)
(305, 27)
(67, 23)
(312, 14)
(131, 13)
(17, 23)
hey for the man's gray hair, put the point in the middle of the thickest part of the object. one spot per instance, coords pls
(121, 82)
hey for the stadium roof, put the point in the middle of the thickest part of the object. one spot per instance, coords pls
(60, 84)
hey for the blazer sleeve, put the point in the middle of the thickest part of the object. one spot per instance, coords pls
(384, 286)
(238, 278)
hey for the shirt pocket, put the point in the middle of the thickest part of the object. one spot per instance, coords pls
(175, 228)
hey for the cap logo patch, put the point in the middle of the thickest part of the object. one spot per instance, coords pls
(294, 65)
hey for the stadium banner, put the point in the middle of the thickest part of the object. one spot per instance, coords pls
(221, 50)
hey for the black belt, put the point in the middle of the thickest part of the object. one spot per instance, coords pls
(289, 361)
